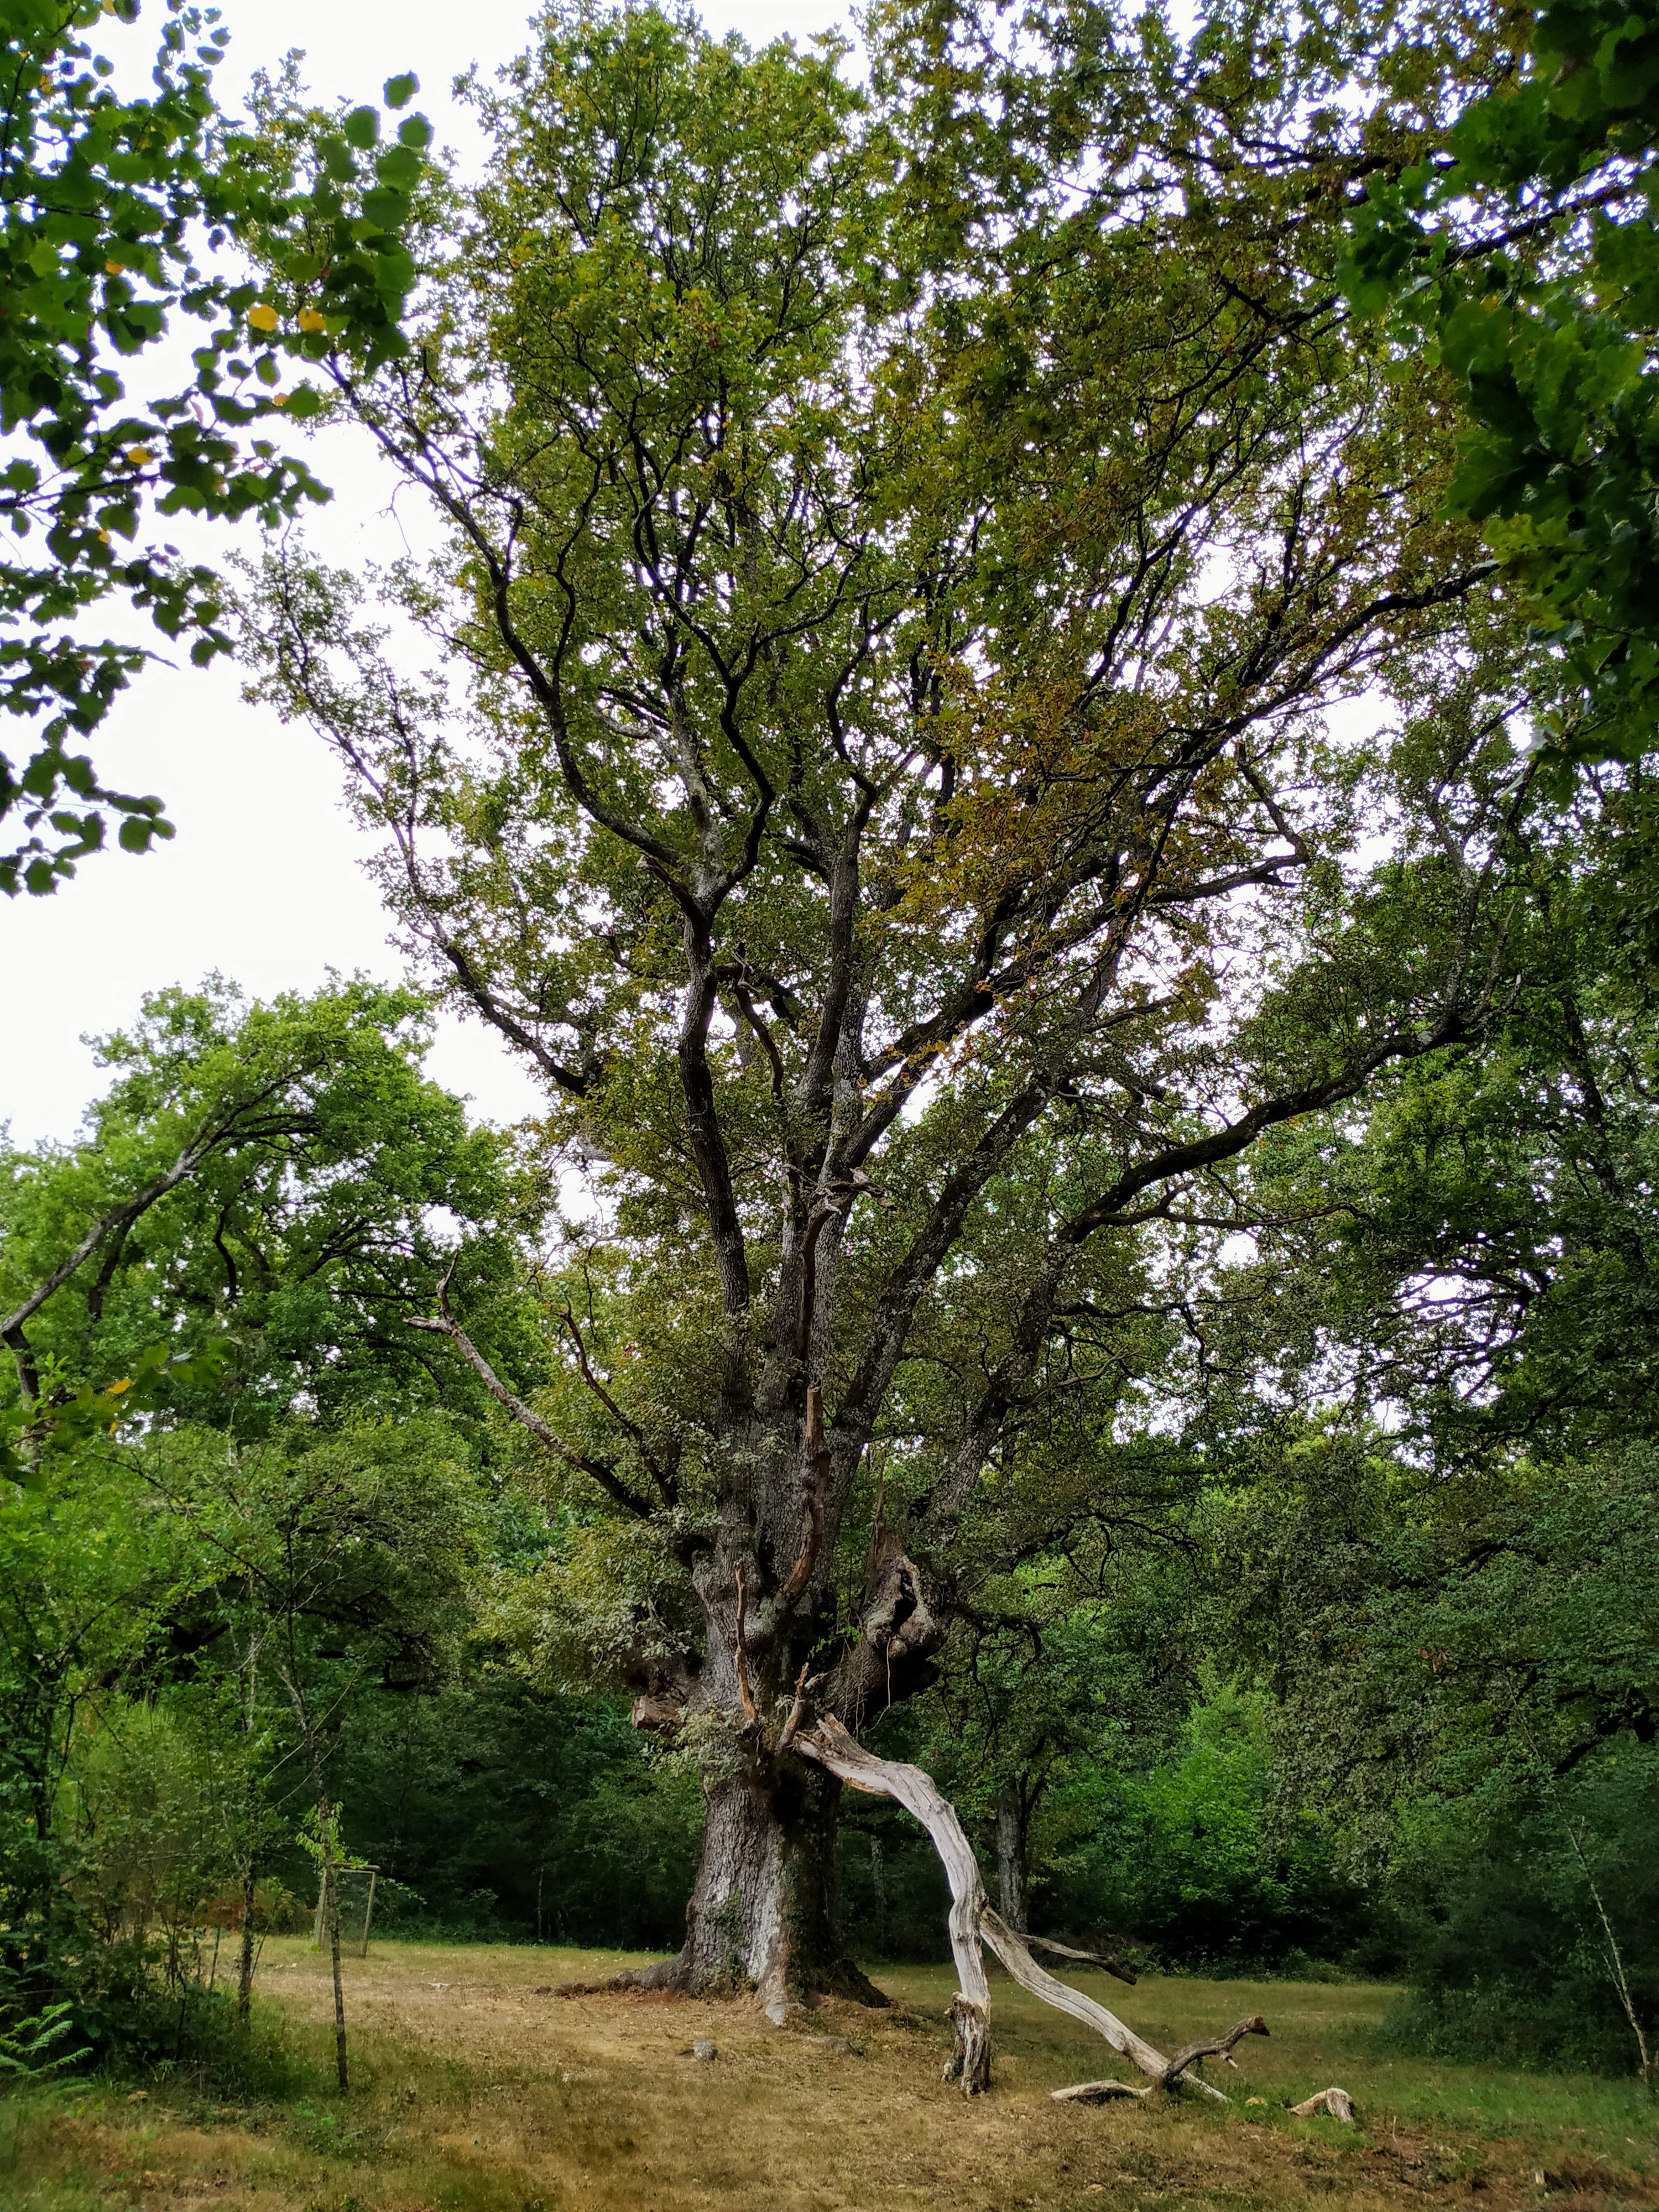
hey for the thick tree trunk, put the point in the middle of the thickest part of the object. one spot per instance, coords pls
(763, 1915)
(761, 1912)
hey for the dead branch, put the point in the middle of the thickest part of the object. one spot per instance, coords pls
(663, 1477)
(973, 1923)
(1219, 2046)
(1083, 1958)
(526, 1416)
(830, 1745)
(1097, 2093)
(1335, 2103)
(1011, 1949)
(804, 1689)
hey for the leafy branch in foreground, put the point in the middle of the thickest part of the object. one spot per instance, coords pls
(107, 208)
(1522, 251)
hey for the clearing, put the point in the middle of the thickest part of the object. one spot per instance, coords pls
(476, 2089)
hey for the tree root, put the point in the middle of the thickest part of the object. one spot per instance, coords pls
(973, 1923)
(850, 1981)
(847, 1980)
(662, 1974)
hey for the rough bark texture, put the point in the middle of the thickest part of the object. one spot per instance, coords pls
(765, 1913)
(1011, 1859)
(764, 1909)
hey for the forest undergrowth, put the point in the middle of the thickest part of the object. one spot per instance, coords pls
(478, 2089)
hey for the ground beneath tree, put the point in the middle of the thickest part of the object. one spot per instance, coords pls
(478, 2090)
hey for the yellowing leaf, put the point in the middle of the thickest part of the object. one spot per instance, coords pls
(311, 320)
(262, 317)
(139, 454)
(114, 1389)
(113, 268)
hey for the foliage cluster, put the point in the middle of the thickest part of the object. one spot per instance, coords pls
(113, 211)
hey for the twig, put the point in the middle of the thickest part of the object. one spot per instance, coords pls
(804, 1690)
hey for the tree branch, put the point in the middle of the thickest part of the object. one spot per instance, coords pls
(525, 1415)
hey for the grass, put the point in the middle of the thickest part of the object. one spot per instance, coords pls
(476, 2090)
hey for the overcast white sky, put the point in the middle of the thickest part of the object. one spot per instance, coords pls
(263, 881)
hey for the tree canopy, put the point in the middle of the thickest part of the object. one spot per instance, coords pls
(903, 581)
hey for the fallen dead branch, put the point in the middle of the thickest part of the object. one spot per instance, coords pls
(1337, 2104)
(1219, 2046)
(1099, 2092)
(973, 1923)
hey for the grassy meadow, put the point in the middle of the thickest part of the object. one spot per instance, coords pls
(478, 2089)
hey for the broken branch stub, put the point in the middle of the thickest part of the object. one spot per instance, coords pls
(973, 1923)
(1008, 1946)
(1218, 2046)
(1083, 1958)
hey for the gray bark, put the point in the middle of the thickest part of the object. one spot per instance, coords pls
(1011, 1859)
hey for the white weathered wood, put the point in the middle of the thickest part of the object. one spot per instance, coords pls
(833, 1748)
(1083, 1957)
(973, 1921)
(1097, 2093)
(1337, 2103)
(1026, 1971)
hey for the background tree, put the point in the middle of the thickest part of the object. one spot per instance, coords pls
(269, 1178)
(193, 1605)
(1431, 1394)
(901, 579)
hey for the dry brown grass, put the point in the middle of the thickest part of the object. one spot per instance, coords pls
(477, 2090)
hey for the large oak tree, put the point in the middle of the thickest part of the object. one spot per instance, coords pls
(904, 544)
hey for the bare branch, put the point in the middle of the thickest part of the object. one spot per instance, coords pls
(526, 1416)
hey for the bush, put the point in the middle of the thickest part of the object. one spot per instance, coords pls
(1505, 1953)
(495, 1810)
(1190, 1861)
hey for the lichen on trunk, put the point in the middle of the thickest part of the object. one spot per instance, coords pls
(764, 1913)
